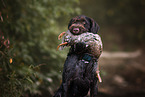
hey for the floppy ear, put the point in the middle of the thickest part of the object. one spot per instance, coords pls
(94, 27)
(70, 23)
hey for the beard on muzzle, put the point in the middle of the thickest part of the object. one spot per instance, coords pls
(76, 30)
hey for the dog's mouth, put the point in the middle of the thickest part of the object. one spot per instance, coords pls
(77, 29)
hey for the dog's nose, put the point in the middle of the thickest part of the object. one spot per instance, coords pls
(76, 30)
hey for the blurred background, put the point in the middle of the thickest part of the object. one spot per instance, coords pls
(30, 66)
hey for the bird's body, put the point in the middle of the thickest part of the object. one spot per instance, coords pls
(92, 41)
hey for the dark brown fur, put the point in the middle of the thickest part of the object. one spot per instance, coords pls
(78, 76)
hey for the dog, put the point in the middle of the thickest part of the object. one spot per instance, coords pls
(79, 72)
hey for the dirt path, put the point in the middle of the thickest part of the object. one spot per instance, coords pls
(123, 74)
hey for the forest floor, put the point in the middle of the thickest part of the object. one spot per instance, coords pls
(123, 74)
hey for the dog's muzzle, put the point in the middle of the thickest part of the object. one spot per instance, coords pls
(77, 29)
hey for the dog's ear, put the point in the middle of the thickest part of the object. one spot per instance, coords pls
(94, 27)
(70, 23)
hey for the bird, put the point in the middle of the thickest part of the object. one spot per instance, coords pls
(93, 42)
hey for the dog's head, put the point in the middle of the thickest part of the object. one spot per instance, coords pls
(81, 24)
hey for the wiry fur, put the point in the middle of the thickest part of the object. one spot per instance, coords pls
(78, 75)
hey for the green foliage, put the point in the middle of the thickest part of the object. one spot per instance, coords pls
(32, 29)
(10, 85)
(16, 79)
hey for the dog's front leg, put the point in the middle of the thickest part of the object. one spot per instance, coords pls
(93, 85)
(94, 88)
